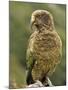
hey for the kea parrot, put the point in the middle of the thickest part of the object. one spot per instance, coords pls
(44, 49)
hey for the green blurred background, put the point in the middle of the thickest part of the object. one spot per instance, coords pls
(20, 31)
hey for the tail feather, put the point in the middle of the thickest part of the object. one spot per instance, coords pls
(29, 78)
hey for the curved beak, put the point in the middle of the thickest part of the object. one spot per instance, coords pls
(32, 24)
(32, 21)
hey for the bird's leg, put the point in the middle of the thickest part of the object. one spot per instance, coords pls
(47, 82)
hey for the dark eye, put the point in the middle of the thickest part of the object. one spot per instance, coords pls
(38, 16)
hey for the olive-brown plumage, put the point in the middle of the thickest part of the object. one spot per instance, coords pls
(45, 47)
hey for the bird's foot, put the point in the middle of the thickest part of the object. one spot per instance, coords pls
(48, 82)
(36, 84)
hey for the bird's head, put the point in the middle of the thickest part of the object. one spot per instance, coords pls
(41, 19)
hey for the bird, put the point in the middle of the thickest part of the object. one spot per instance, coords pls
(44, 50)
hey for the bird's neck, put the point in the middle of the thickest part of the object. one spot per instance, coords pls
(43, 28)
